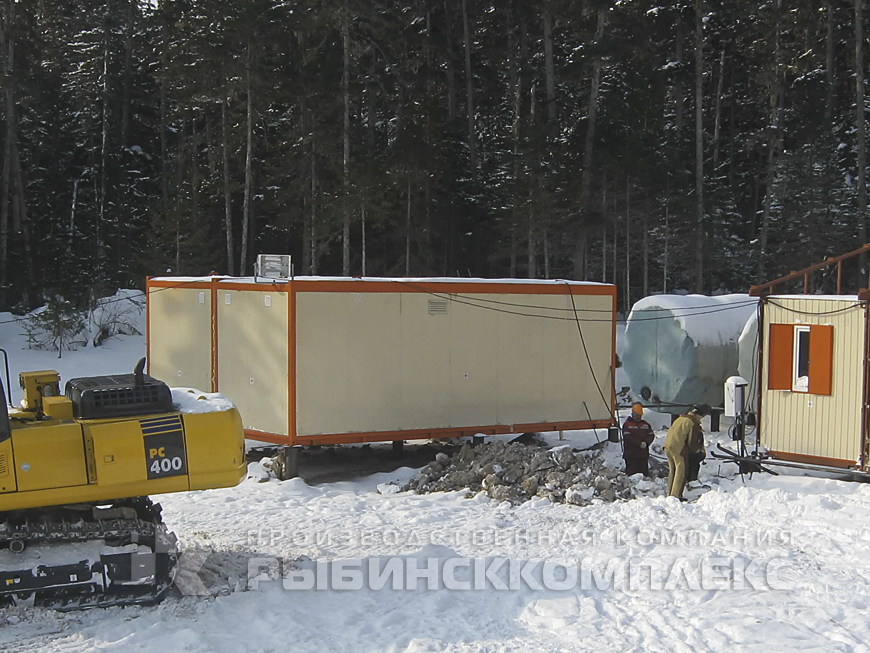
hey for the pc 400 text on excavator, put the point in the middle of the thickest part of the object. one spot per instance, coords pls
(77, 529)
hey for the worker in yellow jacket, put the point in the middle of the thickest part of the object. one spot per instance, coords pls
(677, 447)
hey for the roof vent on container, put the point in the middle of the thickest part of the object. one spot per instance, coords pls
(276, 268)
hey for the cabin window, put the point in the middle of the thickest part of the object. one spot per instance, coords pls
(801, 358)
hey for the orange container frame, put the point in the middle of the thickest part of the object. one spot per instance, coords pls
(440, 288)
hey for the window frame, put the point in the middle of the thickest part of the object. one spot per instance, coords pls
(801, 382)
(783, 351)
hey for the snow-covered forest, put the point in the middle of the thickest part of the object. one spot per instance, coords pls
(690, 144)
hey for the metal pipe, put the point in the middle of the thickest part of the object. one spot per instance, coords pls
(816, 468)
(764, 288)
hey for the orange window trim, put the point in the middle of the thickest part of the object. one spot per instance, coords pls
(781, 348)
(821, 359)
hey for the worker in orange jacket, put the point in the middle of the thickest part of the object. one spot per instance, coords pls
(677, 447)
(637, 436)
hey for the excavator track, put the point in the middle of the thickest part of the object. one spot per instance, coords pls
(84, 556)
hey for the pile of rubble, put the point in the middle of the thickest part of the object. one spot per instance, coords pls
(516, 472)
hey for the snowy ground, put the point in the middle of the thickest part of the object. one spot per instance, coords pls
(767, 563)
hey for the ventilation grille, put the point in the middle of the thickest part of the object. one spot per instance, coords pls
(4, 469)
(118, 396)
(112, 397)
(437, 307)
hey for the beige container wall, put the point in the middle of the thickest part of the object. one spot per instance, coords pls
(809, 424)
(252, 356)
(369, 362)
(569, 382)
(179, 328)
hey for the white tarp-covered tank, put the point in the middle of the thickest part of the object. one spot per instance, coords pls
(747, 359)
(679, 349)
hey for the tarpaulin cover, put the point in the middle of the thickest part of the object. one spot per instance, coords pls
(679, 349)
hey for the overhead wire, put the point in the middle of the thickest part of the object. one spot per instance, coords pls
(483, 300)
(715, 307)
(478, 303)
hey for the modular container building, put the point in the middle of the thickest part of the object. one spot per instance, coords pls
(313, 360)
(813, 395)
(813, 391)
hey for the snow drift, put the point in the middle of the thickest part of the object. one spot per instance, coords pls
(679, 349)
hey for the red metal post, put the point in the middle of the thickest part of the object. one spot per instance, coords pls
(759, 380)
(865, 399)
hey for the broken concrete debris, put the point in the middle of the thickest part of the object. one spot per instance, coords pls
(516, 472)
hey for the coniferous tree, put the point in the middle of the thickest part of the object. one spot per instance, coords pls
(683, 145)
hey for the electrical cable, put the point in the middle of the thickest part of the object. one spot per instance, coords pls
(800, 312)
(588, 359)
(483, 300)
(714, 308)
(718, 309)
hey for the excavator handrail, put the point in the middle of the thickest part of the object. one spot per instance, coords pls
(5, 430)
(8, 382)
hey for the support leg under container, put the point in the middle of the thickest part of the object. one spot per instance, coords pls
(714, 421)
(288, 462)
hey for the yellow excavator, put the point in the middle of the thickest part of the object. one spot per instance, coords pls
(77, 529)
